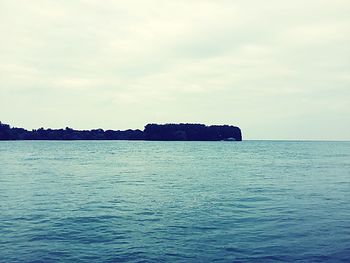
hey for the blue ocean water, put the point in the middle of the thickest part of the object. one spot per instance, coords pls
(136, 201)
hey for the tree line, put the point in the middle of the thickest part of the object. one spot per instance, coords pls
(151, 132)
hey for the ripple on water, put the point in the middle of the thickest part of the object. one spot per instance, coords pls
(174, 202)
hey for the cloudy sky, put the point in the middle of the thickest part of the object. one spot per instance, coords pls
(279, 69)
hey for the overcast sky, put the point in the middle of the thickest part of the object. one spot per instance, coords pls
(279, 69)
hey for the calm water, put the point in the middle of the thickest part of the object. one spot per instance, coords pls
(119, 201)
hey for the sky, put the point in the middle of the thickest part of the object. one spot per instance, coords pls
(278, 69)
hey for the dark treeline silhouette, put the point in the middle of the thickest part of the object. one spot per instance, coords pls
(152, 132)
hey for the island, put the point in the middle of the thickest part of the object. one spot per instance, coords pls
(151, 132)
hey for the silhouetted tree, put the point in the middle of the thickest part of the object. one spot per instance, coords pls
(156, 132)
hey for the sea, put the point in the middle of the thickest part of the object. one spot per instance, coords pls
(147, 201)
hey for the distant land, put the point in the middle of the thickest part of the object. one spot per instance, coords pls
(151, 132)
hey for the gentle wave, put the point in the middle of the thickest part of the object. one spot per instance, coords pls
(118, 201)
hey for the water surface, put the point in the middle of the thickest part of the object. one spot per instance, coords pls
(136, 201)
